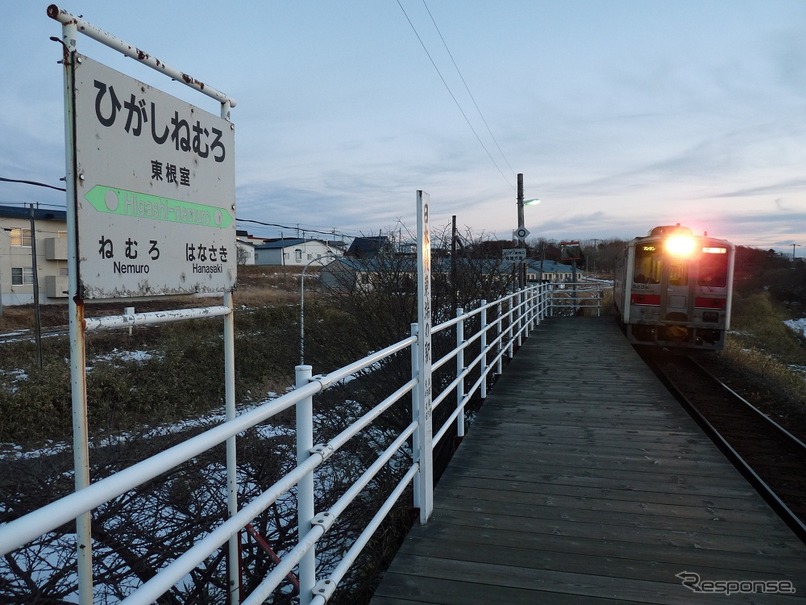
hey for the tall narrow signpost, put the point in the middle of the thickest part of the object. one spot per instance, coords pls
(150, 188)
(423, 438)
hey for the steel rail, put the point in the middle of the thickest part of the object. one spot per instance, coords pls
(759, 483)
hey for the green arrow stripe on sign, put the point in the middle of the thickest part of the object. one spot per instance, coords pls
(122, 202)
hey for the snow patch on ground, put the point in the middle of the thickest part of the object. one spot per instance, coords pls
(797, 325)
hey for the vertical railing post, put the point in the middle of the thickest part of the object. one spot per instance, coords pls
(499, 338)
(550, 300)
(527, 312)
(519, 316)
(511, 328)
(538, 304)
(305, 494)
(483, 345)
(599, 295)
(415, 412)
(232, 462)
(460, 367)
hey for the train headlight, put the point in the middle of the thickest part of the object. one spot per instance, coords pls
(680, 245)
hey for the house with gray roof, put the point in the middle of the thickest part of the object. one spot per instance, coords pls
(293, 252)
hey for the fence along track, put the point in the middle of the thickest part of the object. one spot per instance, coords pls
(501, 326)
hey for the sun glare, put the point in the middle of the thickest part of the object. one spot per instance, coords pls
(680, 245)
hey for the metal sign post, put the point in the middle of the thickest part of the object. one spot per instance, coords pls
(423, 445)
(150, 211)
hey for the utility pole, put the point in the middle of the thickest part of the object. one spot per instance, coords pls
(521, 241)
(37, 312)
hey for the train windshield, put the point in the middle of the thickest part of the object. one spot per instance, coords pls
(713, 268)
(649, 266)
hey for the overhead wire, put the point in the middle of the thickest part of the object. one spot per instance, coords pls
(467, 88)
(37, 183)
(295, 228)
(450, 92)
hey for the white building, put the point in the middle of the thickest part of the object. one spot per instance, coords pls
(16, 255)
(294, 252)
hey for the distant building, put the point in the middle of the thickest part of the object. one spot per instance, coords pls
(369, 247)
(549, 271)
(16, 256)
(245, 244)
(350, 273)
(246, 252)
(293, 252)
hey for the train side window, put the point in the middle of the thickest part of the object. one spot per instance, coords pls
(713, 270)
(647, 265)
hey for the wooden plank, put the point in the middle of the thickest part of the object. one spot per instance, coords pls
(527, 585)
(680, 532)
(526, 555)
(591, 487)
(443, 531)
(732, 510)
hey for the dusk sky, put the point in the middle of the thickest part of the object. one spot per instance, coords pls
(621, 115)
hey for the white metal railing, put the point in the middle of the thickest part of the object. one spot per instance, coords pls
(572, 298)
(492, 330)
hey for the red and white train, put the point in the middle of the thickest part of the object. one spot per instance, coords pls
(674, 289)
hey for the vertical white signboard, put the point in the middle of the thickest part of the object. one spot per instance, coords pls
(425, 427)
(155, 190)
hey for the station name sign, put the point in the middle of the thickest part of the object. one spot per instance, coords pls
(155, 190)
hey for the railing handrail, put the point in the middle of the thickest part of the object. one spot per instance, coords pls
(516, 314)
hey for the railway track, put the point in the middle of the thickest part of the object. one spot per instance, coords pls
(29, 335)
(770, 457)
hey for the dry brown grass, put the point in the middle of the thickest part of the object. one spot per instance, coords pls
(257, 286)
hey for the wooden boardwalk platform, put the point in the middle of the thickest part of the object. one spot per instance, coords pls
(583, 481)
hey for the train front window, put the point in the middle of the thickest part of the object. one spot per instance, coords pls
(713, 268)
(678, 272)
(647, 264)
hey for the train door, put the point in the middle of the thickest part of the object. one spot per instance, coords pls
(675, 299)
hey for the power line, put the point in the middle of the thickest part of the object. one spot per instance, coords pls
(467, 88)
(450, 92)
(32, 183)
(294, 228)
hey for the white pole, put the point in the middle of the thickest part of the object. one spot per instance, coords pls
(460, 367)
(425, 478)
(483, 345)
(78, 382)
(305, 488)
(232, 461)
